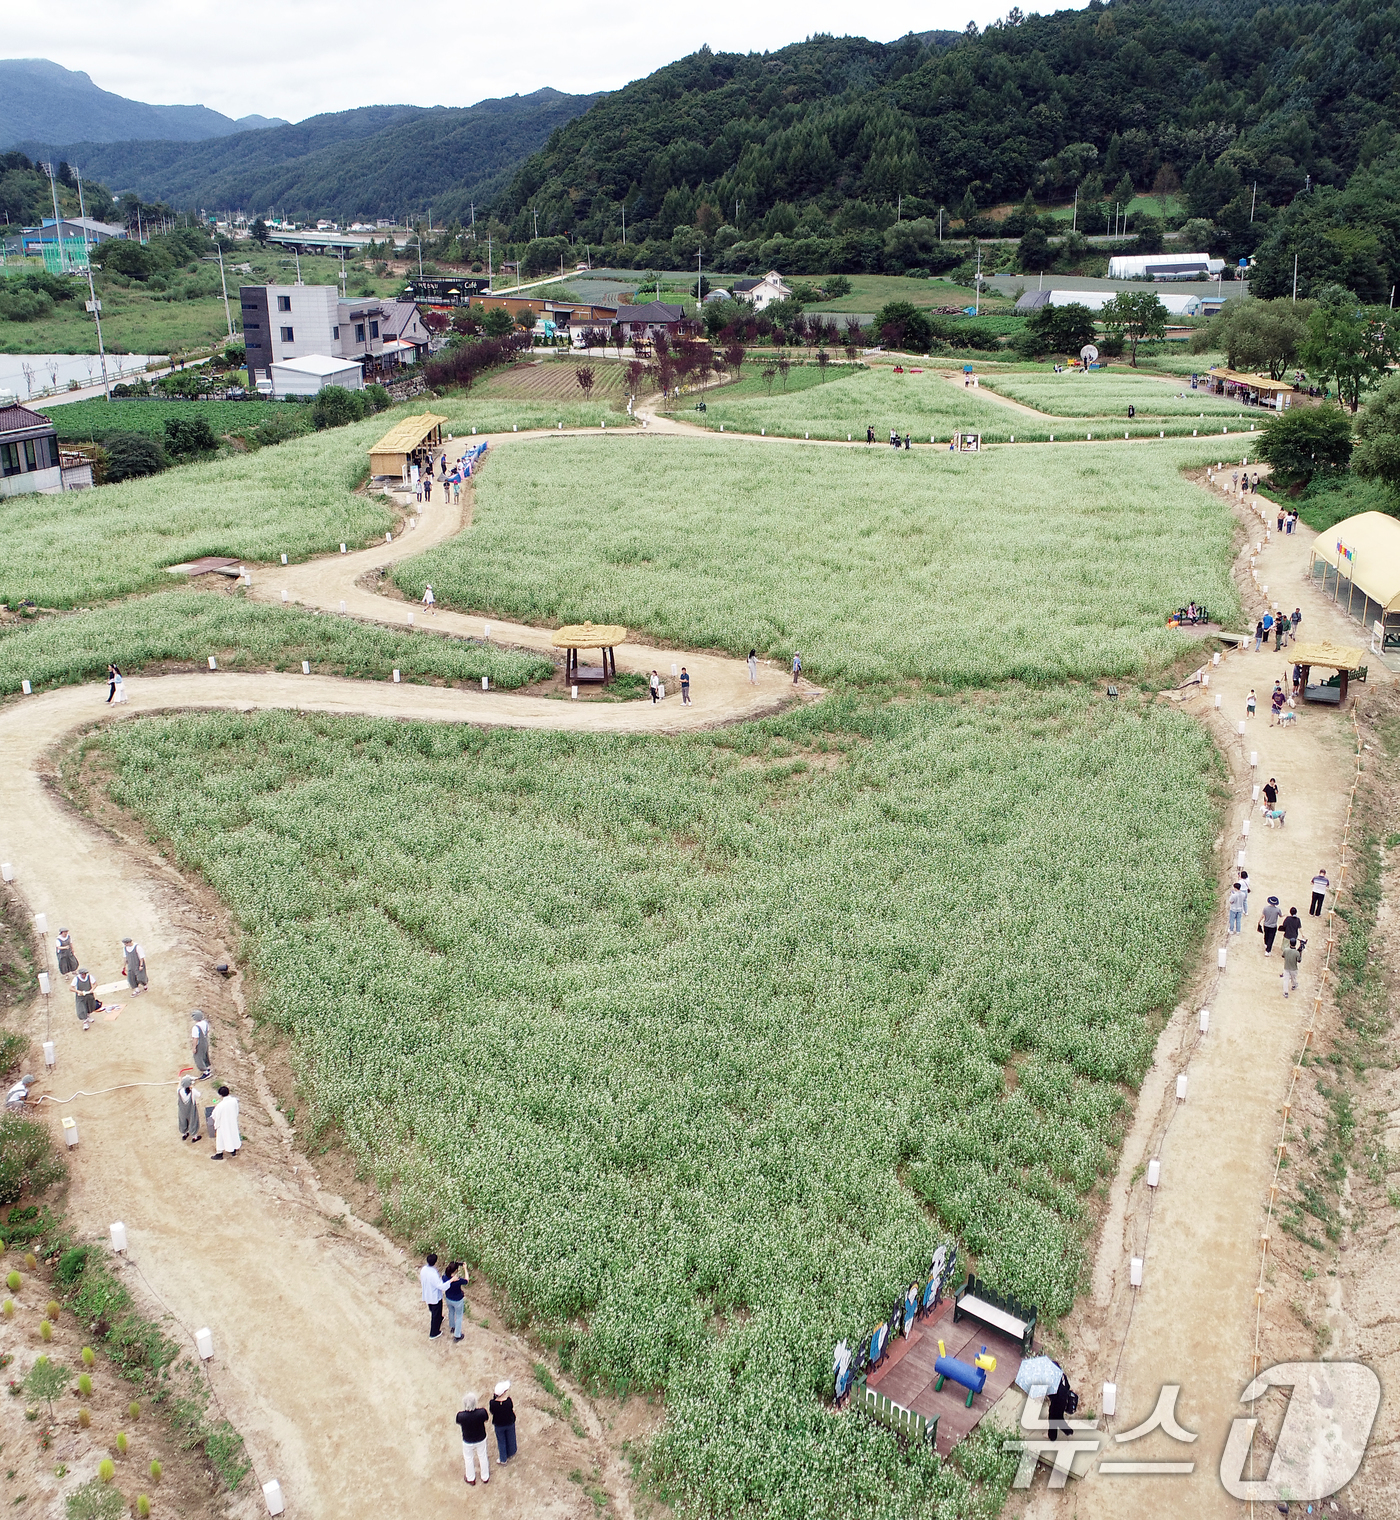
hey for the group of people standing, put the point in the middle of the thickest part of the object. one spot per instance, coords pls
(449, 1288)
(1283, 627)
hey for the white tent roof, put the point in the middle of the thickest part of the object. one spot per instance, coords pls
(1178, 304)
(317, 364)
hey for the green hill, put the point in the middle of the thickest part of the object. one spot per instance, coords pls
(830, 142)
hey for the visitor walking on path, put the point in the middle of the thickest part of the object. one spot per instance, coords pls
(1271, 793)
(753, 667)
(112, 675)
(1268, 923)
(187, 1109)
(1258, 634)
(1320, 886)
(472, 1423)
(1291, 926)
(1291, 956)
(84, 997)
(796, 666)
(134, 958)
(1244, 887)
(429, 600)
(685, 687)
(455, 1297)
(1250, 703)
(1295, 620)
(224, 1124)
(1236, 904)
(1276, 704)
(119, 688)
(433, 1290)
(654, 685)
(199, 1043)
(67, 956)
(503, 1418)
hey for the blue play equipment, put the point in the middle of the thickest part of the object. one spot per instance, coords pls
(956, 1371)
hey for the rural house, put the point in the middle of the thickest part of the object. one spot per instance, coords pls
(761, 293)
(30, 459)
(640, 324)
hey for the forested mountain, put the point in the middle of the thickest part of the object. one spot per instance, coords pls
(828, 141)
(376, 161)
(42, 100)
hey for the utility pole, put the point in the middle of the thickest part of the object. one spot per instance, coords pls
(473, 206)
(977, 287)
(95, 306)
(899, 206)
(222, 281)
(1074, 220)
(624, 224)
(940, 224)
(536, 216)
(488, 260)
(1253, 196)
(1295, 278)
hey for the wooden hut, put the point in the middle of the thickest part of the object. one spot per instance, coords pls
(1329, 657)
(411, 440)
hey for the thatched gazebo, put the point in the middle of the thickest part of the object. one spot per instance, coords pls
(604, 636)
(1330, 657)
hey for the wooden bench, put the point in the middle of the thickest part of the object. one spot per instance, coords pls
(995, 1310)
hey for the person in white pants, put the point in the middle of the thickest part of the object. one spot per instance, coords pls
(472, 1423)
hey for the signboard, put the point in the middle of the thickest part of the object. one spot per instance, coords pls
(967, 443)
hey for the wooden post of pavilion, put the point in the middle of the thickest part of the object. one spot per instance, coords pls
(604, 637)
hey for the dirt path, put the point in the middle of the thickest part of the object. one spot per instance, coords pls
(1192, 1321)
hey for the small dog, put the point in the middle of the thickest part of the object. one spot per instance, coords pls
(1287, 717)
(1273, 817)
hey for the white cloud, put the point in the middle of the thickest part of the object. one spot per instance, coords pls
(309, 56)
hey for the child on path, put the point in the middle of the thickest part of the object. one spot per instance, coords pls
(654, 685)
(429, 600)
(1250, 703)
(796, 666)
(753, 667)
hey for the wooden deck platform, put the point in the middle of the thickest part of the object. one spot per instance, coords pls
(907, 1377)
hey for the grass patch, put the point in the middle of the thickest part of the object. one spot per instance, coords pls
(188, 625)
(1018, 563)
(1109, 393)
(719, 1039)
(1326, 502)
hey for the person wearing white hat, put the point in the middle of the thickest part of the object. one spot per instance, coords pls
(18, 1097)
(503, 1418)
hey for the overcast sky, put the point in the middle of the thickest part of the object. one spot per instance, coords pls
(297, 58)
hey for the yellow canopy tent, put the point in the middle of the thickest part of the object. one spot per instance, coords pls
(391, 456)
(1357, 564)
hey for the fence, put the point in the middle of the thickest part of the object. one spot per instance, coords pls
(904, 1422)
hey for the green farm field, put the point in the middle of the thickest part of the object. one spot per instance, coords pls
(186, 626)
(869, 292)
(298, 498)
(92, 421)
(925, 405)
(877, 565)
(1109, 393)
(695, 1048)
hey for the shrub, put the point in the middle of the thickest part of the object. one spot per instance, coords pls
(185, 436)
(335, 406)
(88, 1357)
(134, 1410)
(95, 1500)
(377, 399)
(155, 1470)
(69, 1270)
(51, 1311)
(143, 1506)
(901, 324)
(46, 1380)
(288, 423)
(31, 1261)
(8, 1308)
(1307, 441)
(122, 1442)
(84, 1419)
(45, 1330)
(84, 1384)
(131, 455)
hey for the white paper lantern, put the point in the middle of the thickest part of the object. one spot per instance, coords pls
(286, 595)
(284, 559)
(7, 871)
(573, 691)
(272, 1492)
(396, 678)
(44, 985)
(342, 548)
(26, 688)
(204, 1343)
(486, 631)
(1244, 828)
(342, 606)
(486, 683)
(213, 663)
(118, 1234)
(41, 923)
(1204, 1018)
(1110, 1398)
(1154, 1172)
(306, 667)
(1181, 1088)
(1254, 759)
(50, 1055)
(1220, 959)
(1135, 1271)
(1241, 727)
(70, 1132)
(1239, 860)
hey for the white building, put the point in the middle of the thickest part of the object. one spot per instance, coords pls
(29, 459)
(1165, 266)
(1178, 304)
(282, 322)
(761, 293)
(305, 377)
